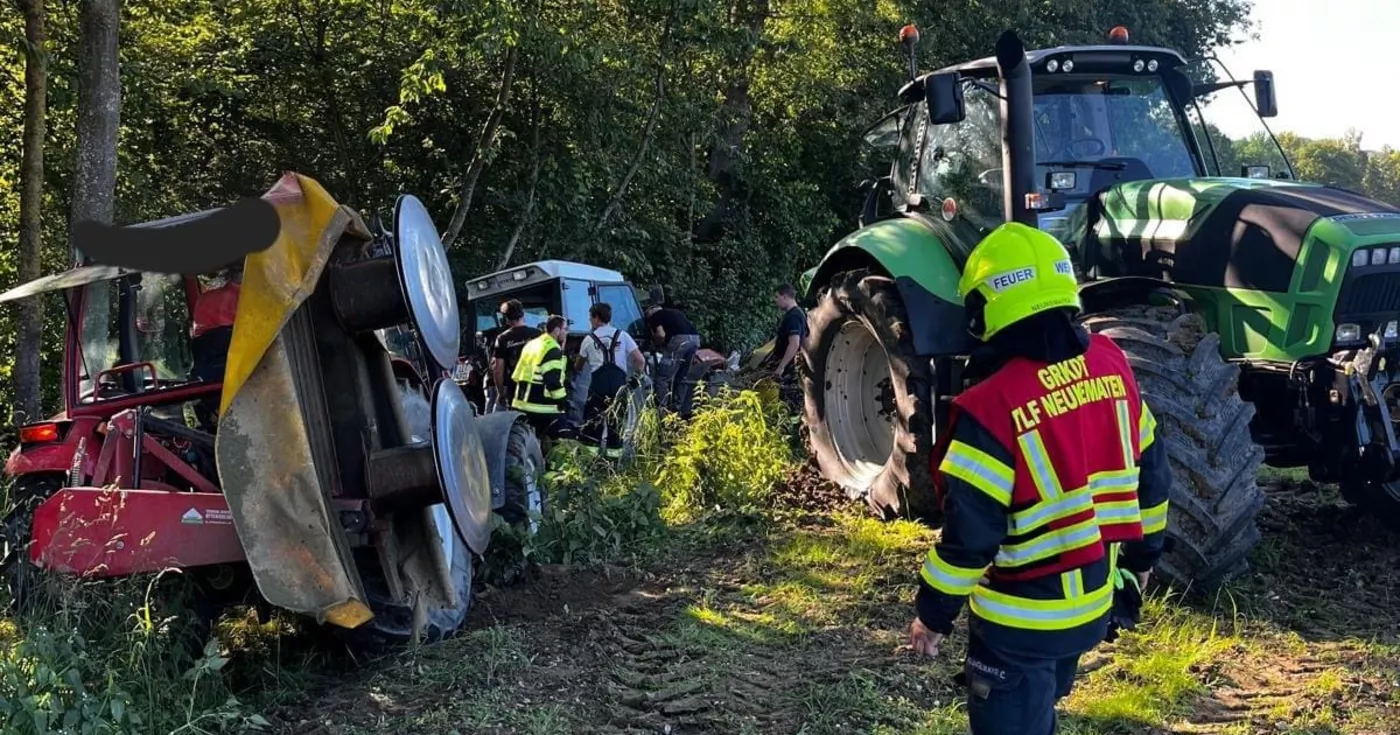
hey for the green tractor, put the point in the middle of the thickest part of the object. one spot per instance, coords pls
(1259, 313)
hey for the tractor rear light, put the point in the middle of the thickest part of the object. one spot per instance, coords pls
(1348, 333)
(1152, 66)
(1392, 330)
(38, 433)
(1139, 65)
(1378, 256)
(1358, 258)
(1069, 65)
(1394, 256)
(1052, 66)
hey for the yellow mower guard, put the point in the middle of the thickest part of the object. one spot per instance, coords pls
(281, 507)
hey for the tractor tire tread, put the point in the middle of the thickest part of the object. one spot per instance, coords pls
(1193, 393)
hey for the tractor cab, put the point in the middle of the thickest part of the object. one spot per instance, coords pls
(1100, 116)
(553, 287)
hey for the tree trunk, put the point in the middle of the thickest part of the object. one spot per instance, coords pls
(537, 116)
(99, 113)
(31, 173)
(735, 114)
(648, 133)
(485, 142)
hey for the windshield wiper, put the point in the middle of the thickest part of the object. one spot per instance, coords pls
(1105, 165)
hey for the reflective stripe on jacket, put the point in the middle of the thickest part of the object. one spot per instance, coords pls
(539, 377)
(1040, 470)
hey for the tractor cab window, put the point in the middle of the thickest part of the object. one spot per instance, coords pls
(1105, 131)
(143, 318)
(577, 301)
(962, 162)
(1233, 137)
(626, 314)
(539, 302)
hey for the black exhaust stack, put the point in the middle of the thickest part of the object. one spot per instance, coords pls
(1017, 142)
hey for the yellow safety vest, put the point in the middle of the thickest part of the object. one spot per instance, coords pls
(540, 357)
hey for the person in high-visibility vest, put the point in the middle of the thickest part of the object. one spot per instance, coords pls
(539, 378)
(1053, 485)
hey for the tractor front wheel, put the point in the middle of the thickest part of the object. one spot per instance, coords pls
(867, 396)
(1204, 424)
(525, 501)
(1380, 499)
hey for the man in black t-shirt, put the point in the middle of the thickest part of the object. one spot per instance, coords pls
(792, 329)
(505, 352)
(679, 340)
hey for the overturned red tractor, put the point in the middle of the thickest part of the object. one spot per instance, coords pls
(333, 481)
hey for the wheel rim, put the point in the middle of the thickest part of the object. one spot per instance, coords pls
(533, 500)
(446, 531)
(859, 401)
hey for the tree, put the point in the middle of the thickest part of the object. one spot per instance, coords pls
(99, 113)
(31, 310)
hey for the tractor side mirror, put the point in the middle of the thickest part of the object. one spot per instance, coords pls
(944, 93)
(1264, 99)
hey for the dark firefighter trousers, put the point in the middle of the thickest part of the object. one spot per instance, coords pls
(1008, 694)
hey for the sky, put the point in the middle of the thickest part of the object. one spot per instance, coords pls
(1334, 65)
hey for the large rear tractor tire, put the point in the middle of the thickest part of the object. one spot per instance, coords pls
(1194, 394)
(867, 396)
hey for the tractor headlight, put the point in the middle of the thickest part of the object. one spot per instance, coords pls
(1392, 330)
(1358, 258)
(1348, 333)
(1394, 256)
(1378, 256)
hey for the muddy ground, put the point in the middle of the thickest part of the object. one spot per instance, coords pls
(796, 627)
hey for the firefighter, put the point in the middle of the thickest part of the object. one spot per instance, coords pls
(1053, 486)
(539, 379)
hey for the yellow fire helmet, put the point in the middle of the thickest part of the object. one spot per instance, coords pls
(1016, 272)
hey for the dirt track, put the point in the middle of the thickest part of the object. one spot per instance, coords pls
(794, 629)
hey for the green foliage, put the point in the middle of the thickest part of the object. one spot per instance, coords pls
(721, 137)
(728, 458)
(113, 657)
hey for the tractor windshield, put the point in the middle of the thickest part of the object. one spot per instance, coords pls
(142, 318)
(1092, 132)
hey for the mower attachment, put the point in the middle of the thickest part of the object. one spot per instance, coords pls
(311, 413)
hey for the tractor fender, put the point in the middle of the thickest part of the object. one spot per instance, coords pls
(494, 429)
(1113, 293)
(911, 253)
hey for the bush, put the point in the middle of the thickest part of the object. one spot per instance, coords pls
(727, 458)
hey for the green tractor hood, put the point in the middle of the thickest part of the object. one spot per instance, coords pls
(1220, 232)
(1267, 262)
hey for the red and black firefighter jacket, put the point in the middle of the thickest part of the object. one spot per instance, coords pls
(1050, 478)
